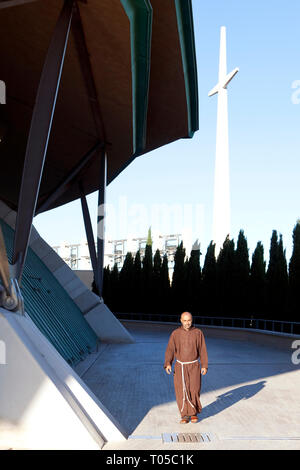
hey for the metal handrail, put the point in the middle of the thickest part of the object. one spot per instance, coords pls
(282, 326)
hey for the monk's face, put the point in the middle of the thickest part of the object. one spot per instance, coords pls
(186, 320)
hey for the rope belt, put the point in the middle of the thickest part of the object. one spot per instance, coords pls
(183, 383)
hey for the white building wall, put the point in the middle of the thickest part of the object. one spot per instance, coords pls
(116, 250)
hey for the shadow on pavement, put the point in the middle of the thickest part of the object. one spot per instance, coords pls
(230, 398)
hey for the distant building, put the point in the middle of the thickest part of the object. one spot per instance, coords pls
(75, 255)
(78, 258)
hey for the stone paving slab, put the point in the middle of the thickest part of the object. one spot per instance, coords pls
(249, 395)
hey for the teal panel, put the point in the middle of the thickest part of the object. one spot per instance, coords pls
(185, 24)
(51, 308)
(139, 13)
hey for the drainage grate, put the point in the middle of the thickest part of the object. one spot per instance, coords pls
(187, 438)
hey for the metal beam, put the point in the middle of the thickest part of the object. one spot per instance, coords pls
(61, 188)
(101, 219)
(87, 73)
(14, 3)
(89, 234)
(39, 134)
(4, 266)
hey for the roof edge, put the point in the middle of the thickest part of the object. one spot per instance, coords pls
(140, 15)
(185, 24)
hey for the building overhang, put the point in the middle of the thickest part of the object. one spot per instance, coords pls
(128, 84)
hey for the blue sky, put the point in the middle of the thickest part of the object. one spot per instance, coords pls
(263, 40)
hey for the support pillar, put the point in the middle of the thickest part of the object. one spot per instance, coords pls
(89, 235)
(101, 219)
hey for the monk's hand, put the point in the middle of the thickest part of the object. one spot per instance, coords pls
(168, 370)
(203, 371)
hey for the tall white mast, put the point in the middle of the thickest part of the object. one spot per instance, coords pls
(221, 214)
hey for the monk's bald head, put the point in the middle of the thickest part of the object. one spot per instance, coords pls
(186, 314)
(186, 320)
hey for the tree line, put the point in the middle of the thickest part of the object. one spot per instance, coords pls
(228, 285)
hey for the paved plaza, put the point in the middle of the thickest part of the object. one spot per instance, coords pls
(250, 395)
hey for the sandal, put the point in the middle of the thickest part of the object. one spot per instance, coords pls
(194, 419)
(185, 420)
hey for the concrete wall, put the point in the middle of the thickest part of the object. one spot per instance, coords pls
(268, 338)
(43, 403)
(86, 276)
(103, 328)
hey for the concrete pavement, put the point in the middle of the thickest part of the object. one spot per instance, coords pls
(250, 395)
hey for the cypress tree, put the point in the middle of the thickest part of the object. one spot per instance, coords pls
(165, 286)
(241, 277)
(294, 275)
(126, 284)
(178, 287)
(193, 279)
(149, 237)
(277, 279)
(137, 282)
(257, 282)
(147, 280)
(209, 280)
(157, 284)
(115, 301)
(271, 276)
(106, 285)
(225, 278)
(283, 281)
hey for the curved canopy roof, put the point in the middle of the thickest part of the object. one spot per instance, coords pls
(129, 82)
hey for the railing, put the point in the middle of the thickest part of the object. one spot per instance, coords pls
(233, 322)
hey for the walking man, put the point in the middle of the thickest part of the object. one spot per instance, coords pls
(187, 345)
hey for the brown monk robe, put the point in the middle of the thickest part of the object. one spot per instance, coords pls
(187, 344)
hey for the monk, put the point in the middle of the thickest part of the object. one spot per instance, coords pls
(187, 344)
